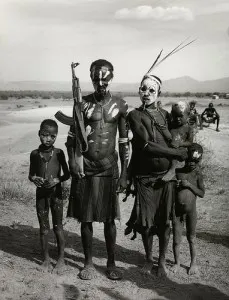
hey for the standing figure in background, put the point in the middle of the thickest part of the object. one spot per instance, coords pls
(194, 117)
(94, 190)
(190, 185)
(210, 115)
(46, 164)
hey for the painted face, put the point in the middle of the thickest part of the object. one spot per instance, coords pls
(48, 135)
(194, 158)
(180, 112)
(101, 78)
(148, 91)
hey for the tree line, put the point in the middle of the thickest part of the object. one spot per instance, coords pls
(65, 95)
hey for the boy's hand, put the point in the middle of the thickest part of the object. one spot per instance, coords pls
(48, 184)
(174, 144)
(185, 183)
(38, 181)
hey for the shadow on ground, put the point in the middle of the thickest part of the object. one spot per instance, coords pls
(213, 238)
(23, 241)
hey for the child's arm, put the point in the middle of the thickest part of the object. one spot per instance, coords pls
(38, 181)
(198, 190)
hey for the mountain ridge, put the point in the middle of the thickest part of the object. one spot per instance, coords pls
(177, 85)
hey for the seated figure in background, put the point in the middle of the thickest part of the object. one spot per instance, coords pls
(210, 115)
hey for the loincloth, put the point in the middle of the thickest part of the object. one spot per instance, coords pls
(153, 203)
(94, 198)
(92, 168)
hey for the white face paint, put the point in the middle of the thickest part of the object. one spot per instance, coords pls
(148, 91)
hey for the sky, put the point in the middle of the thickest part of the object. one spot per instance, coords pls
(40, 38)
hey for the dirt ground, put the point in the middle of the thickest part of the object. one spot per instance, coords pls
(20, 259)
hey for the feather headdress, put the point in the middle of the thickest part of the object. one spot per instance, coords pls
(157, 61)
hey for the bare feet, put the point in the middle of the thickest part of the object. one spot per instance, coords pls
(46, 266)
(87, 273)
(60, 266)
(147, 268)
(175, 268)
(114, 273)
(161, 271)
(193, 270)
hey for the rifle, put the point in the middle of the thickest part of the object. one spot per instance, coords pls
(76, 120)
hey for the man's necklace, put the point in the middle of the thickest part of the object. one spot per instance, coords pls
(102, 108)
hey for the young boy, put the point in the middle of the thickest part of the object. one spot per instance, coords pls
(46, 163)
(182, 134)
(190, 185)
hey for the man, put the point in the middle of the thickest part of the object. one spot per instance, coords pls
(210, 115)
(94, 196)
(151, 159)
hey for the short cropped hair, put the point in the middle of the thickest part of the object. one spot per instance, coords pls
(102, 63)
(49, 122)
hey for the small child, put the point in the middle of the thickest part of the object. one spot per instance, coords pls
(46, 163)
(190, 185)
(182, 134)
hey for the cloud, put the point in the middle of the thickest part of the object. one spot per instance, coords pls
(158, 13)
(217, 8)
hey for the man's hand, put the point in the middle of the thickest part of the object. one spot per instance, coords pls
(129, 191)
(38, 181)
(75, 169)
(182, 154)
(48, 184)
(122, 185)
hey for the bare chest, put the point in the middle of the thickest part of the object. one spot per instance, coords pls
(108, 113)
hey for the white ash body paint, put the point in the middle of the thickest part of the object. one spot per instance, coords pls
(89, 112)
(89, 130)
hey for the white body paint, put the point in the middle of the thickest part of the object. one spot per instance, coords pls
(90, 111)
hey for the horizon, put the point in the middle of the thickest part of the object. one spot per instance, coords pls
(114, 81)
(40, 38)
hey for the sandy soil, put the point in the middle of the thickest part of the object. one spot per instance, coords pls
(21, 276)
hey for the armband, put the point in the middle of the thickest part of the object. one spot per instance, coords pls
(146, 144)
(71, 134)
(123, 140)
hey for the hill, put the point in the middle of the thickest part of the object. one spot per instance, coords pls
(177, 85)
